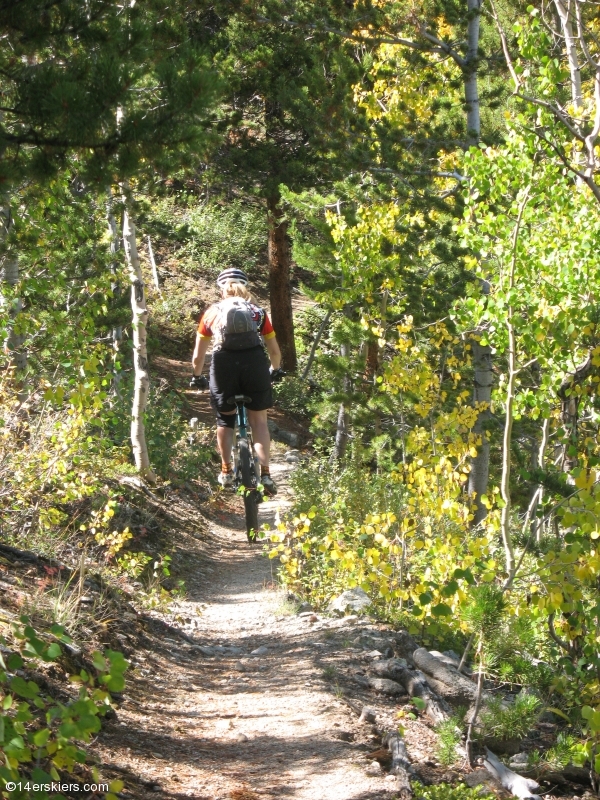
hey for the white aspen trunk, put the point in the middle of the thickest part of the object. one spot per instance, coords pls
(482, 397)
(140, 355)
(9, 274)
(315, 344)
(538, 495)
(592, 137)
(117, 331)
(509, 551)
(565, 13)
(341, 435)
(153, 265)
(470, 72)
(482, 354)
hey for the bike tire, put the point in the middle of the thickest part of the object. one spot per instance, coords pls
(250, 493)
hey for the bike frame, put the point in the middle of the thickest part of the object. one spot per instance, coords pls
(243, 431)
(241, 419)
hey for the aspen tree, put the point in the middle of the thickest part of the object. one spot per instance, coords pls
(140, 353)
(9, 275)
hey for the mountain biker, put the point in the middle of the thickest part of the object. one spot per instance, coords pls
(240, 331)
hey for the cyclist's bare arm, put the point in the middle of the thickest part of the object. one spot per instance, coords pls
(200, 350)
(274, 352)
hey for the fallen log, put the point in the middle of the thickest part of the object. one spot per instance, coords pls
(400, 766)
(445, 679)
(386, 686)
(27, 555)
(415, 683)
(516, 784)
(453, 663)
(391, 668)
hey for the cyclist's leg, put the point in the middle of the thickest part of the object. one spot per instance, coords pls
(256, 382)
(223, 384)
(260, 435)
(225, 437)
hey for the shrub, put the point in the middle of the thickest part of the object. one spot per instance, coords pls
(40, 736)
(513, 721)
(449, 736)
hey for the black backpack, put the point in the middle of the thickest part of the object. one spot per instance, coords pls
(235, 327)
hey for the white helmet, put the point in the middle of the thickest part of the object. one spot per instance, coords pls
(232, 274)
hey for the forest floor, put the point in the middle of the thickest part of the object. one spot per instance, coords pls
(231, 694)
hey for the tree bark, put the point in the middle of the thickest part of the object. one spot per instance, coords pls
(415, 683)
(140, 355)
(341, 435)
(453, 686)
(565, 13)
(538, 494)
(470, 72)
(509, 552)
(116, 332)
(482, 354)
(400, 766)
(315, 344)
(372, 361)
(482, 397)
(475, 714)
(9, 274)
(153, 266)
(516, 784)
(279, 283)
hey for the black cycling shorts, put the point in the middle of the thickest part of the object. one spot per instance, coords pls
(239, 372)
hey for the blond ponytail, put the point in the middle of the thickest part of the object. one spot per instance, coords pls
(236, 289)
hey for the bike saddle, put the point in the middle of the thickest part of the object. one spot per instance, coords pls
(238, 399)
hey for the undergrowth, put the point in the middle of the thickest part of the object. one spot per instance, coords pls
(450, 733)
(444, 791)
(510, 721)
(43, 738)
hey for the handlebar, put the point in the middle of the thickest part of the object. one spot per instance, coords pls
(199, 382)
(277, 374)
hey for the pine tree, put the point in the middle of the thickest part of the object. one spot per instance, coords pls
(289, 97)
(64, 70)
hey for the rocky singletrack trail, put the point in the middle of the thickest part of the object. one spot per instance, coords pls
(232, 695)
(250, 703)
(236, 694)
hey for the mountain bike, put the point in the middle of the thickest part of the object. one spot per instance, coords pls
(246, 470)
(246, 467)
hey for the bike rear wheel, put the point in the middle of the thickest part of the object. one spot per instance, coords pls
(250, 492)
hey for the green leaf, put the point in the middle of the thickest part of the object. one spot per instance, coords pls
(558, 713)
(53, 652)
(419, 703)
(14, 662)
(27, 689)
(41, 737)
(441, 610)
(450, 589)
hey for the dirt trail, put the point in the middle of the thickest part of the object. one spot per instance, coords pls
(232, 695)
(251, 709)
